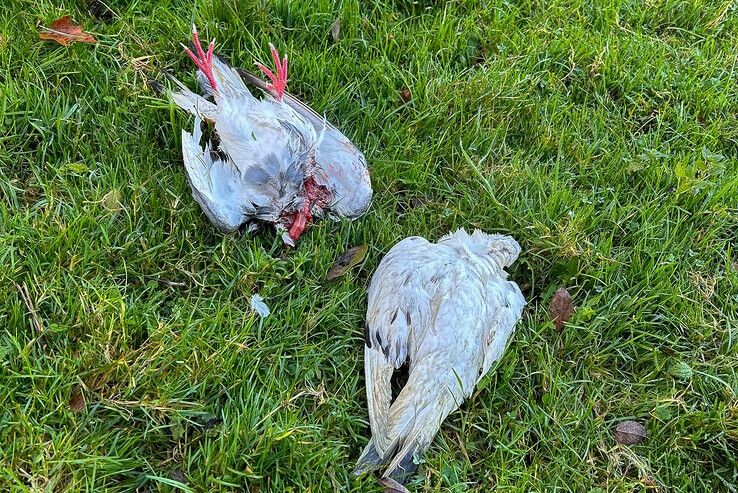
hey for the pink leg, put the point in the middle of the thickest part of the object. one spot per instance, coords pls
(204, 61)
(279, 81)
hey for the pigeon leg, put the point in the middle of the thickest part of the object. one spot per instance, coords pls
(204, 61)
(279, 81)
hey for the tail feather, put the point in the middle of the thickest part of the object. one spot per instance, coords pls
(415, 418)
(404, 463)
(229, 83)
(369, 460)
(189, 101)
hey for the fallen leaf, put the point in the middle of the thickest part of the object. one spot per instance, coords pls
(336, 29)
(77, 401)
(345, 262)
(74, 168)
(111, 201)
(178, 476)
(64, 32)
(406, 95)
(681, 371)
(99, 10)
(561, 308)
(392, 486)
(662, 413)
(630, 433)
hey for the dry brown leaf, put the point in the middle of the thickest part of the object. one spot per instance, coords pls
(99, 10)
(561, 308)
(336, 29)
(178, 475)
(64, 32)
(77, 401)
(630, 433)
(345, 262)
(406, 95)
(111, 201)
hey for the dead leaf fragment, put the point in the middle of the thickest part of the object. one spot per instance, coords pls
(406, 95)
(630, 433)
(345, 262)
(336, 29)
(111, 201)
(99, 10)
(178, 476)
(64, 32)
(392, 486)
(561, 308)
(77, 401)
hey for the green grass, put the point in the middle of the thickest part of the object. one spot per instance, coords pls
(603, 136)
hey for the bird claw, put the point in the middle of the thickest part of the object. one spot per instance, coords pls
(279, 81)
(204, 61)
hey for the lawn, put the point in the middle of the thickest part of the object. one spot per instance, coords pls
(602, 136)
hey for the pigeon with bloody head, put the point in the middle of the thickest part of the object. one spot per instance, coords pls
(271, 160)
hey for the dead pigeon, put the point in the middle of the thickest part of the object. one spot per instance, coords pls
(341, 167)
(446, 310)
(268, 161)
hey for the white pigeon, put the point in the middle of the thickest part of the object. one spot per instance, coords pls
(270, 160)
(447, 310)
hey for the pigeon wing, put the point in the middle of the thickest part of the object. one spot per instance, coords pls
(400, 298)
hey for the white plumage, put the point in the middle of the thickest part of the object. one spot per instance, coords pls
(447, 310)
(275, 161)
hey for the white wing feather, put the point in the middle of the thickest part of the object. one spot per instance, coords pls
(448, 310)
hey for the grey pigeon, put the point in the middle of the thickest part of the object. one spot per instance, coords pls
(276, 161)
(446, 310)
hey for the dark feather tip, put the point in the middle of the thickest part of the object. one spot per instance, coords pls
(368, 461)
(156, 87)
(392, 486)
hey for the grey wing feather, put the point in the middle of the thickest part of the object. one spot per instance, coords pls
(507, 303)
(215, 183)
(230, 197)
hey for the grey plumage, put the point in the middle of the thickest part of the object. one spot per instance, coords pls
(276, 162)
(341, 166)
(447, 310)
(267, 149)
